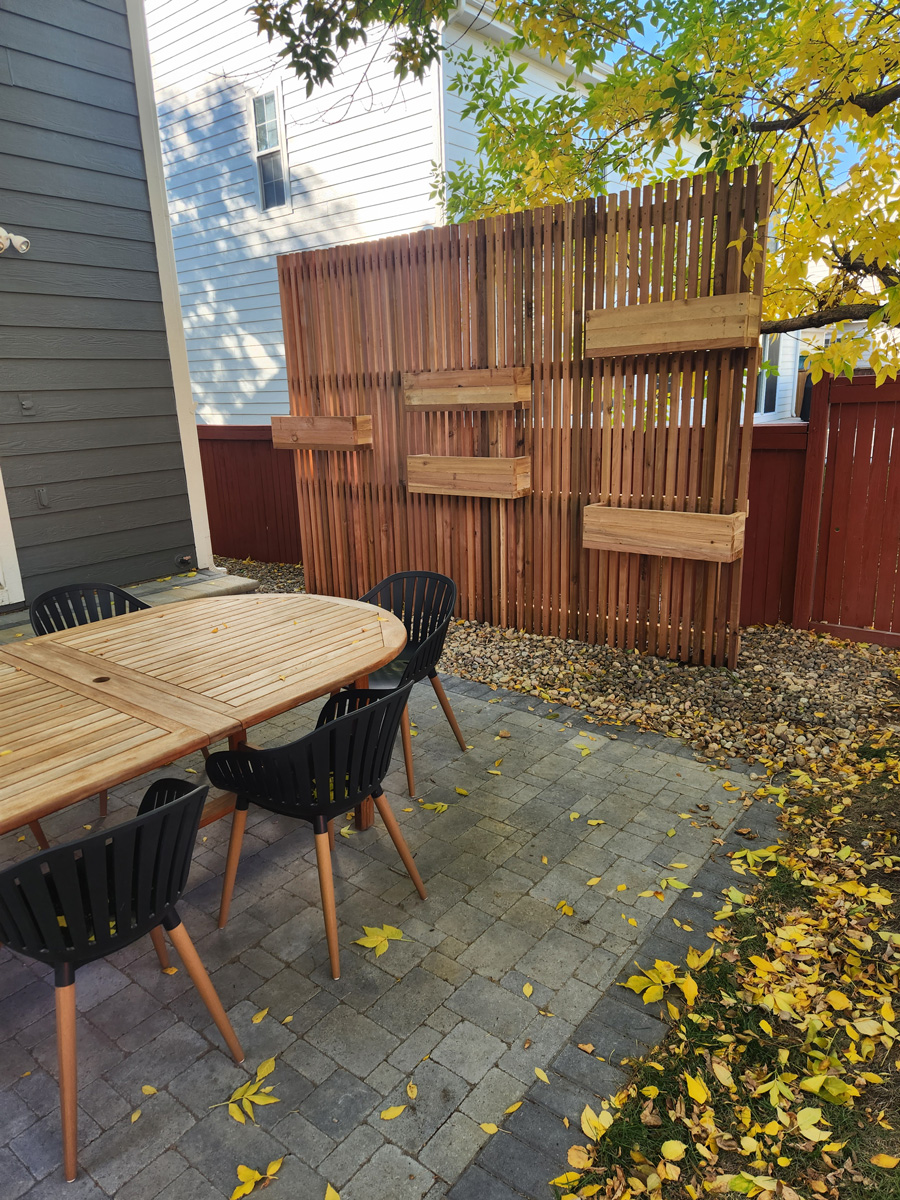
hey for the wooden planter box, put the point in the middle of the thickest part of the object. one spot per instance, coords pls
(501, 478)
(713, 537)
(671, 326)
(495, 388)
(322, 433)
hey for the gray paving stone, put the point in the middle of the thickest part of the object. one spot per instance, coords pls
(191, 1184)
(521, 1166)
(477, 1184)
(468, 1051)
(339, 1104)
(440, 1092)
(453, 1147)
(491, 1097)
(305, 1140)
(491, 1007)
(207, 1081)
(149, 1182)
(118, 1154)
(410, 1002)
(415, 1049)
(354, 1041)
(15, 1115)
(497, 950)
(308, 1061)
(446, 968)
(16, 1179)
(553, 959)
(390, 1175)
(356, 1149)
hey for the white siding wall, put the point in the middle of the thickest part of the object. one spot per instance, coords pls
(359, 156)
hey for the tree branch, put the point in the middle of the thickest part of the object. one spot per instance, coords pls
(871, 103)
(825, 316)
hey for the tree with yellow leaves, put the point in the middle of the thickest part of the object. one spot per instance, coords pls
(660, 89)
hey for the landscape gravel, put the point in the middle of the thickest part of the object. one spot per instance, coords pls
(792, 699)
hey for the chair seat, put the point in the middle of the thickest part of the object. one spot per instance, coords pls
(388, 677)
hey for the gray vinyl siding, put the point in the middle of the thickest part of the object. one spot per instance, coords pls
(89, 439)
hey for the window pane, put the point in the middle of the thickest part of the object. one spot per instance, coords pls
(271, 178)
(266, 121)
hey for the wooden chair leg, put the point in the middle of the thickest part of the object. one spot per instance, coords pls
(159, 945)
(364, 815)
(407, 751)
(238, 825)
(103, 797)
(448, 711)
(195, 968)
(399, 841)
(39, 835)
(331, 835)
(68, 1077)
(326, 887)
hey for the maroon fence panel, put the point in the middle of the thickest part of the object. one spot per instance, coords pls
(777, 466)
(251, 493)
(848, 575)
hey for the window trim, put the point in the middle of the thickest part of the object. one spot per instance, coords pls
(256, 154)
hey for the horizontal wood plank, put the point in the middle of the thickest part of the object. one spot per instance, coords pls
(322, 433)
(711, 537)
(444, 475)
(672, 326)
(494, 388)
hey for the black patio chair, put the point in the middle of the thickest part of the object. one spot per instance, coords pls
(85, 900)
(424, 601)
(68, 607)
(317, 778)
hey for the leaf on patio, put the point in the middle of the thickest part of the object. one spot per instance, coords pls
(492, 772)
(411, 1090)
(135, 1115)
(544, 859)
(389, 1114)
(587, 1047)
(596, 821)
(287, 1020)
(346, 831)
(257, 1017)
(573, 816)
(489, 1127)
(595, 879)
(527, 989)
(460, 792)
(565, 908)
(170, 970)
(541, 1074)
(504, 733)
(670, 833)
(330, 1193)
(438, 807)
(621, 887)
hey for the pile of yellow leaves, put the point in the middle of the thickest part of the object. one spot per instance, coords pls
(779, 1031)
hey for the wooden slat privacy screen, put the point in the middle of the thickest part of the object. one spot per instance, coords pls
(667, 431)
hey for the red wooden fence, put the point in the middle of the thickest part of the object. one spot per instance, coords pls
(773, 522)
(252, 499)
(848, 573)
(251, 495)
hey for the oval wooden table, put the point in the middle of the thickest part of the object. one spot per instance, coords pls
(92, 707)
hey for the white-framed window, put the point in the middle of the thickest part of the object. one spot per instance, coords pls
(270, 151)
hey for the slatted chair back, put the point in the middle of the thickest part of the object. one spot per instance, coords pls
(80, 604)
(327, 772)
(424, 601)
(75, 903)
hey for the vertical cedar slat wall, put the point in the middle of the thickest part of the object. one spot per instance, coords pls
(630, 432)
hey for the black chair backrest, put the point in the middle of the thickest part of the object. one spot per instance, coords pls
(325, 773)
(86, 899)
(80, 604)
(424, 601)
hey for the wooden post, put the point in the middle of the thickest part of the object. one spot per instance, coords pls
(811, 511)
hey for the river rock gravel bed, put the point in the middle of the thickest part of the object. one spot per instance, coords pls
(793, 698)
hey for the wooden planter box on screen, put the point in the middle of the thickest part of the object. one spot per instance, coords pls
(322, 433)
(494, 388)
(500, 478)
(713, 537)
(670, 326)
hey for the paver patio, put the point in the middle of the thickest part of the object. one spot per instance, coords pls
(444, 1008)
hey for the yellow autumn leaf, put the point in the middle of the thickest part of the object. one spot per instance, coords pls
(148, 1090)
(594, 880)
(274, 1167)
(631, 921)
(696, 1088)
(888, 1161)
(544, 859)
(135, 1115)
(673, 1151)
(489, 1127)
(234, 1110)
(331, 1194)
(247, 1174)
(257, 1017)
(573, 816)
(569, 1179)
(287, 1020)
(838, 1000)
(670, 833)
(461, 792)
(390, 1113)
(265, 1069)
(512, 1108)
(527, 989)
(730, 787)
(541, 1074)
(492, 772)
(578, 1158)
(596, 821)
(411, 1090)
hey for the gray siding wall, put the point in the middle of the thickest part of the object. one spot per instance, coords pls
(89, 441)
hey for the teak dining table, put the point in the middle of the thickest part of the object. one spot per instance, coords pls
(88, 708)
